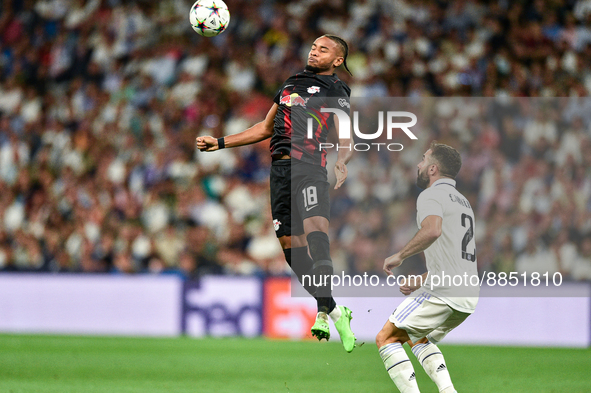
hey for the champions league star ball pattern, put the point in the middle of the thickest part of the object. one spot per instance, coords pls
(209, 17)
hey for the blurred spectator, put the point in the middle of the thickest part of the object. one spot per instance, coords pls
(536, 258)
(581, 269)
(100, 104)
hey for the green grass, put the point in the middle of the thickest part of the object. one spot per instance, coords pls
(119, 364)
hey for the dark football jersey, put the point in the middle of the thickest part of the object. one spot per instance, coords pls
(302, 97)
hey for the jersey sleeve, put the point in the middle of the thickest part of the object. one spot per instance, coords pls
(278, 95)
(428, 205)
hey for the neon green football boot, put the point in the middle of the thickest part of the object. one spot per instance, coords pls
(321, 329)
(343, 325)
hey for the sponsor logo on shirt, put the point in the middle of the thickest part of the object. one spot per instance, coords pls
(276, 224)
(344, 103)
(293, 99)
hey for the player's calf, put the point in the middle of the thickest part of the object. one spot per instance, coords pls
(389, 341)
(399, 367)
(431, 358)
(301, 264)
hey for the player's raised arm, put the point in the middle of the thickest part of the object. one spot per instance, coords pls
(254, 134)
(343, 157)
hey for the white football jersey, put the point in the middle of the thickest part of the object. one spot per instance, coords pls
(451, 259)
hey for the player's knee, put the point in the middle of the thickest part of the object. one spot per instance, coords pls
(316, 224)
(285, 242)
(298, 241)
(379, 341)
(387, 336)
(382, 338)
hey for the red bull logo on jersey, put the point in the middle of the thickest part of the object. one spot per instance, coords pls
(293, 100)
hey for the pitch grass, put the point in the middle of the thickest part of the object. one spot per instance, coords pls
(63, 364)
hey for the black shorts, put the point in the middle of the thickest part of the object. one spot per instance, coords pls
(298, 190)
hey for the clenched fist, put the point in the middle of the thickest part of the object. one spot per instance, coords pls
(207, 143)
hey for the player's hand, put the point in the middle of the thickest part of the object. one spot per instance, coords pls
(340, 170)
(410, 284)
(392, 262)
(207, 143)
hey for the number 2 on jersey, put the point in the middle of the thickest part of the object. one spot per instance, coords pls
(467, 237)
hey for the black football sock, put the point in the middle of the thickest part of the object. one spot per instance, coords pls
(301, 264)
(322, 270)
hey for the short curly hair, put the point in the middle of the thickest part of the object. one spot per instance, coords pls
(446, 158)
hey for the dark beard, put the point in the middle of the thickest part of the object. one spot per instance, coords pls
(314, 69)
(422, 180)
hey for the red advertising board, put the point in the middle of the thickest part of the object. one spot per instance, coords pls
(286, 316)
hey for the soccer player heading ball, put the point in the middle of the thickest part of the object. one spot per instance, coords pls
(446, 234)
(299, 186)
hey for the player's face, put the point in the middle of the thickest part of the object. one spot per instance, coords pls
(324, 56)
(423, 167)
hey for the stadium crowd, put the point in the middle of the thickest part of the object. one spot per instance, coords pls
(101, 101)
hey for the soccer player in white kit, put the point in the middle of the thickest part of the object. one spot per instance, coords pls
(443, 301)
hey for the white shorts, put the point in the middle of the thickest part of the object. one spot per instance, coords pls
(426, 315)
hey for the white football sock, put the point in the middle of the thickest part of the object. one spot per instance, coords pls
(399, 368)
(433, 362)
(335, 314)
(322, 315)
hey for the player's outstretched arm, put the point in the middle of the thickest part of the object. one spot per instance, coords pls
(343, 157)
(254, 134)
(429, 232)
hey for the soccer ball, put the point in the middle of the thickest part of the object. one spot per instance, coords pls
(209, 17)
